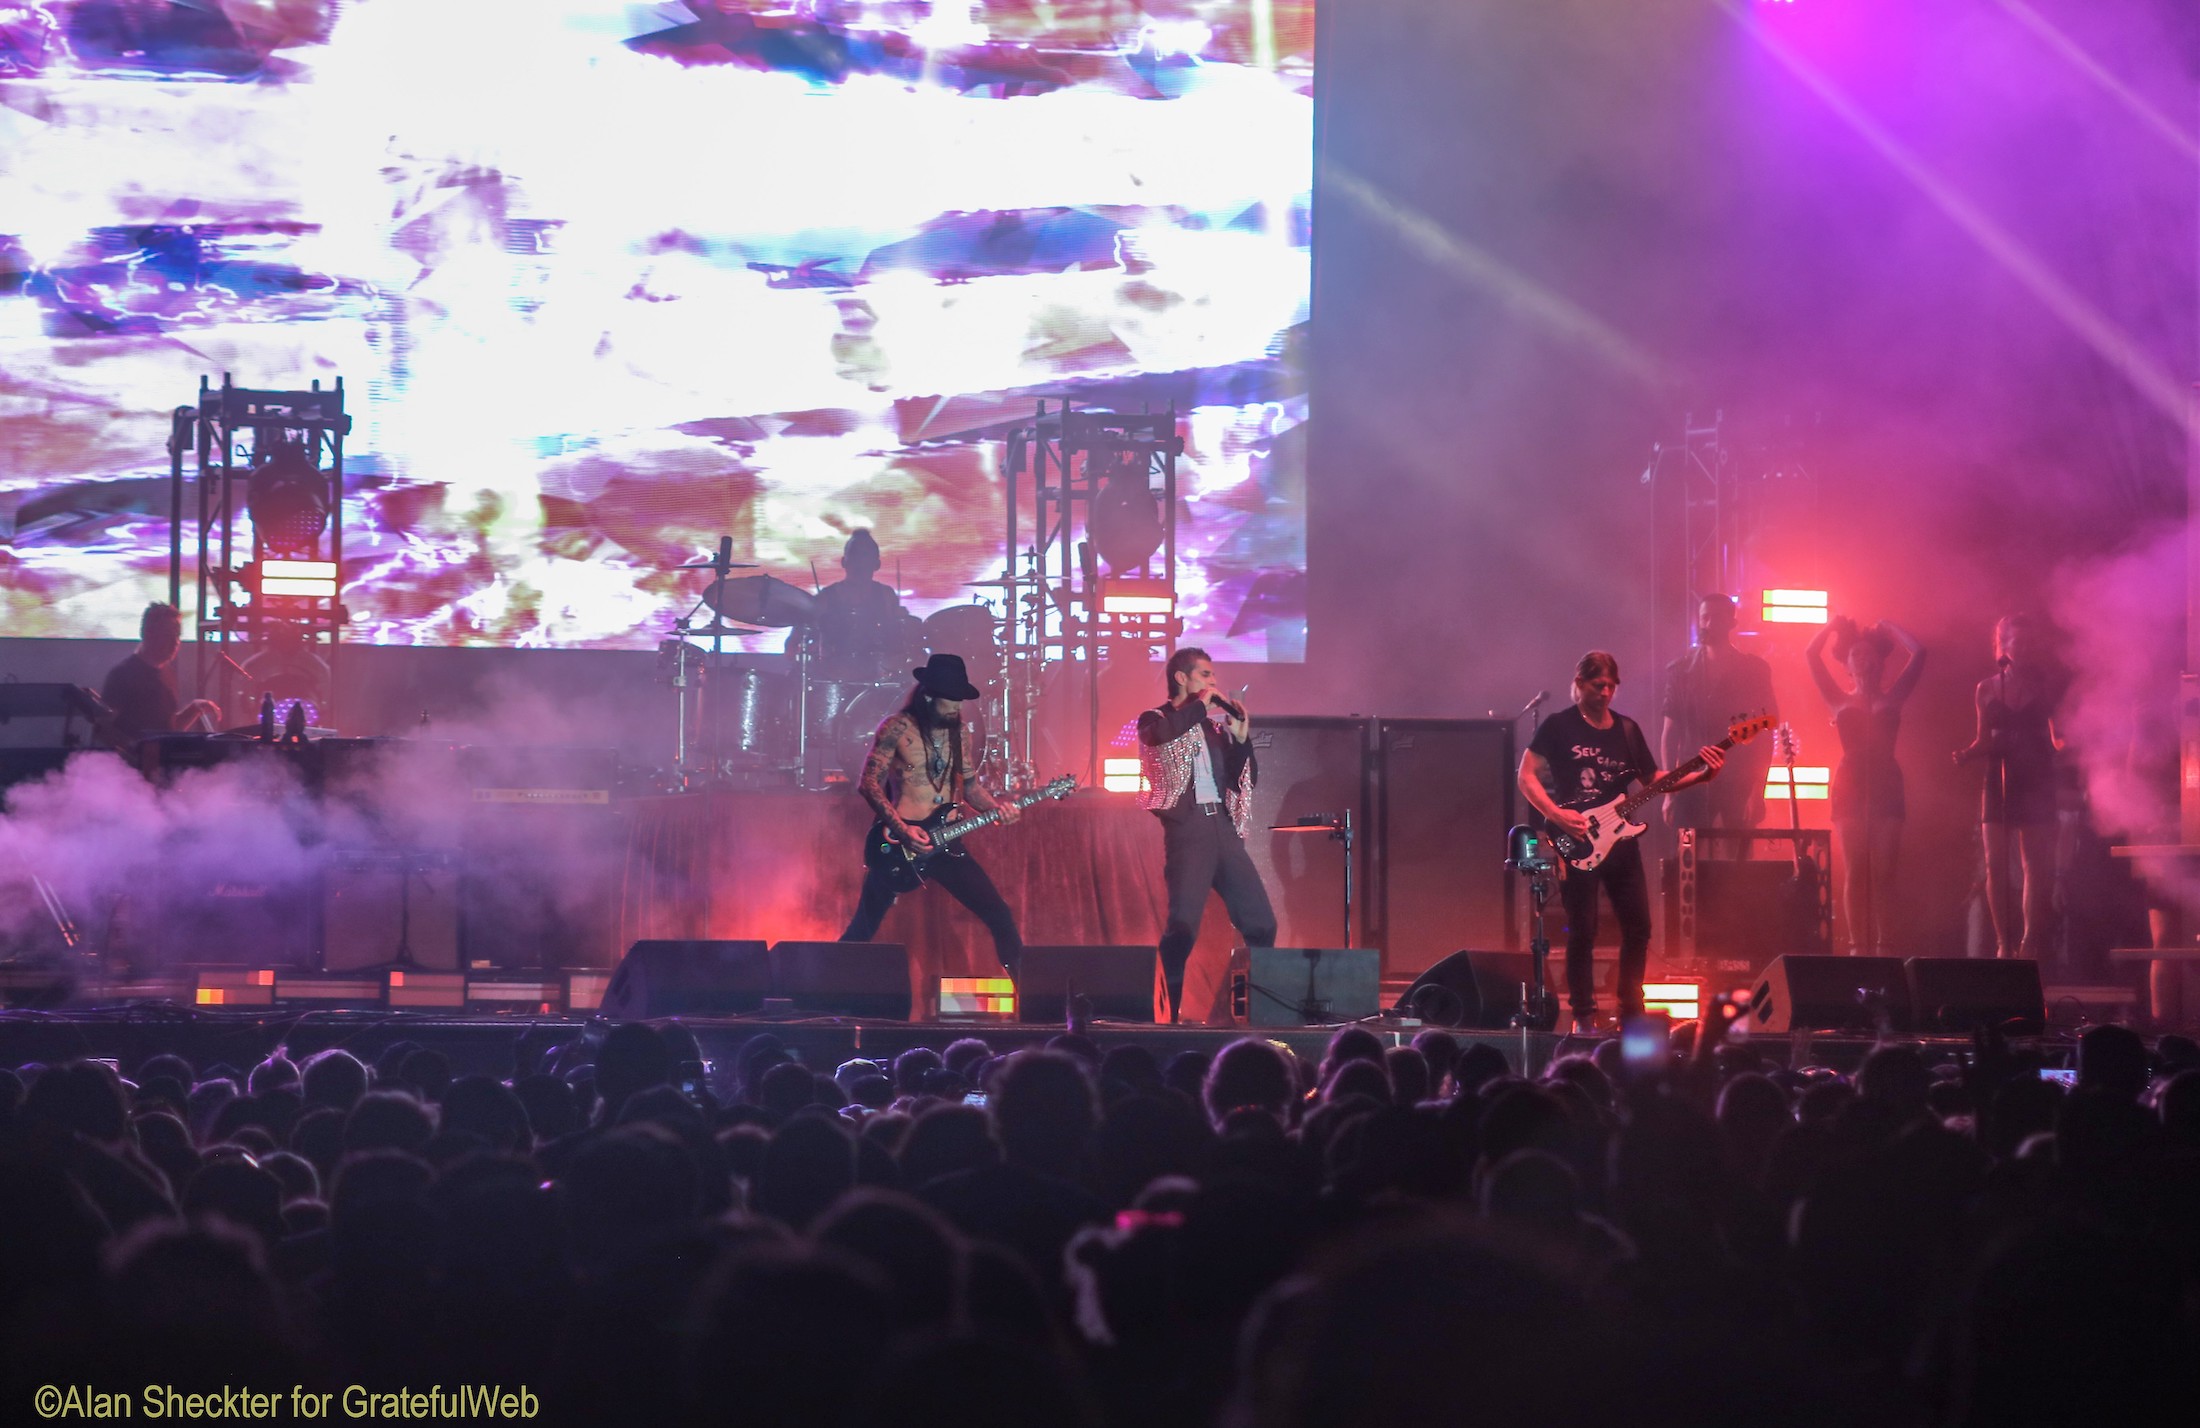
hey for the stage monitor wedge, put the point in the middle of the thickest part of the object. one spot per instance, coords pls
(691, 978)
(1959, 995)
(854, 979)
(1304, 986)
(1116, 982)
(1476, 989)
(1831, 994)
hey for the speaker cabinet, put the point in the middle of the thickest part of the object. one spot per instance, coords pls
(1444, 800)
(860, 979)
(374, 902)
(1311, 768)
(1957, 994)
(1830, 994)
(657, 979)
(1117, 982)
(1482, 989)
(1304, 986)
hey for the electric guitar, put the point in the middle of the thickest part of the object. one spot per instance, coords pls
(903, 866)
(1612, 822)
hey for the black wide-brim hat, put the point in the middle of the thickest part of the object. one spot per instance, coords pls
(943, 677)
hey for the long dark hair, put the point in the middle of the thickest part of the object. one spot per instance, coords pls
(925, 714)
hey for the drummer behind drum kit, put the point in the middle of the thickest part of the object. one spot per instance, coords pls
(806, 718)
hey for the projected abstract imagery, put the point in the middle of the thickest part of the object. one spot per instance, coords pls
(606, 282)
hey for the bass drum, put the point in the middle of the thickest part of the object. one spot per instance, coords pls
(972, 631)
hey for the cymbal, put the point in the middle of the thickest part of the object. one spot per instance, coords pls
(761, 600)
(713, 565)
(723, 627)
(1009, 581)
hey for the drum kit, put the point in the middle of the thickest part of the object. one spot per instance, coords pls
(806, 718)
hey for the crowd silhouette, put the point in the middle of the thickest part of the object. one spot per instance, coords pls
(1394, 1235)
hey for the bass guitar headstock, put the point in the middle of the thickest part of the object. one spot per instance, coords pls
(1741, 731)
(1785, 746)
(1061, 787)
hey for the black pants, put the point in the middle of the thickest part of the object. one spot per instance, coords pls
(1202, 852)
(965, 880)
(1622, 876)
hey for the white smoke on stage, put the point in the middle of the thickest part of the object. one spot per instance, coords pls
(227, 862)
(2123, 619)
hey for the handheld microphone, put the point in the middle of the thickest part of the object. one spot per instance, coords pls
(1216, 701)
(2003, 662)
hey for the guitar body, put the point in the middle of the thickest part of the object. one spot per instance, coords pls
(1612, 822)
(1608, 828)
(903, 867)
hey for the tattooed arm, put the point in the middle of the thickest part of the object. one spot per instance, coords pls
(889, 748)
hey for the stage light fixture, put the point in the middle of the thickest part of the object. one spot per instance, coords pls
(1137, 596)
(1795, 607)
(289, 498)
(1808, 784)
(1121, 776)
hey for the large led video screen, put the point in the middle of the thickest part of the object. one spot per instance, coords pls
(606, 283)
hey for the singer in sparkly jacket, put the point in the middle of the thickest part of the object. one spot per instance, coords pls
(1196, 754)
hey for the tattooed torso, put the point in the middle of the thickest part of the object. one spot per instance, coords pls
(908, 776)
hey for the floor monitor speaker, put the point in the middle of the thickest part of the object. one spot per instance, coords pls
(1830, 994)
(859, 979)
(1958, 994)
(1116, 982)
(695, 978)
(1304, 986)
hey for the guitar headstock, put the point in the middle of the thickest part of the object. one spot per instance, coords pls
(1785, 746)
(1061, 787)
(1741, 731)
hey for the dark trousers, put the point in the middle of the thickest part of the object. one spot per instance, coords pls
(1203, 852)
(1620, 875)
(965, 880)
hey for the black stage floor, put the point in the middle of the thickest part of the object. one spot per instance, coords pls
(489, 1044)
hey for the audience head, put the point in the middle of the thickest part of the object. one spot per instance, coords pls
(1250, 1074)
(333, 1078)
(1042, 1104)
(2112, 1062)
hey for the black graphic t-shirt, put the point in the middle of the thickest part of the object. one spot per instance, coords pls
(1591, 766)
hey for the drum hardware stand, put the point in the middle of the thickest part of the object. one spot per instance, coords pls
(1339, 828)
(721, 565)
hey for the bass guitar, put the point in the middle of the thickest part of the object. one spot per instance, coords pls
(1612, 822)
(903, 867)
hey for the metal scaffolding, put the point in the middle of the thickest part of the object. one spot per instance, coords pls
(267, 476)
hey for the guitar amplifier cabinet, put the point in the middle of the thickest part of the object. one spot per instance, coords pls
(1444, 798)
(1727, 907)
(1311, 767)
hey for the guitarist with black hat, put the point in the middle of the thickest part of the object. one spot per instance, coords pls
(917, 771)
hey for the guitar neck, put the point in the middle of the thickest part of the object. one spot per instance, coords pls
(950, 832)
(1672, 778)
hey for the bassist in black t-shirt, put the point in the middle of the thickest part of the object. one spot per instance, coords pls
(1582, 756)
